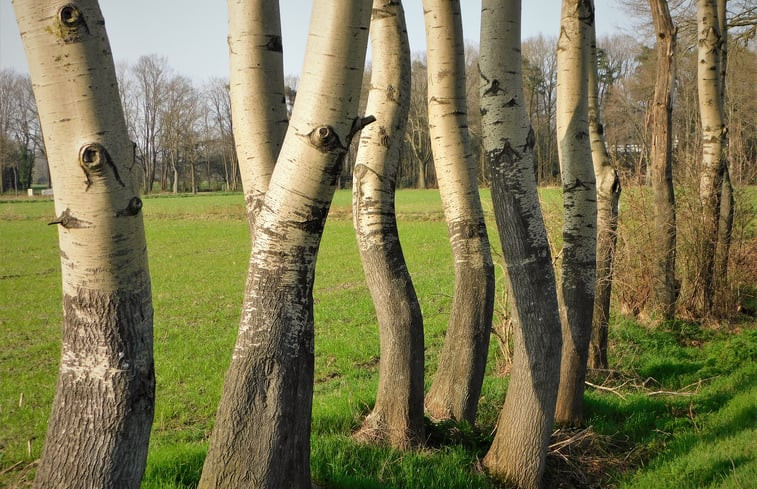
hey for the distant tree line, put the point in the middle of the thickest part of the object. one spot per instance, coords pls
(184, 141)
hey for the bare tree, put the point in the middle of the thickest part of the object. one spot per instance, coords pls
(664, 288)
(261, 437)
(577, 283)
(608, 198)
(99, 428)
(397, 416)
(520, 444)
(151, 74)
(713, 144)
(457, 384)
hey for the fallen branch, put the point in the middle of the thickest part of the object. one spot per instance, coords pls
(614, 390)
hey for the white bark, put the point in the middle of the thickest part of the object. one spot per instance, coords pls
(457, 383)
(100, 424)
(262, 432)
(397, 416)
(256, 86)
(713, 143)
(579, 202)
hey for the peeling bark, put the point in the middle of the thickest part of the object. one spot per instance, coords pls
(99, 428)
(457, 384)
(520, 444)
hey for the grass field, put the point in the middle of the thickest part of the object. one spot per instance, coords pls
(678, 409)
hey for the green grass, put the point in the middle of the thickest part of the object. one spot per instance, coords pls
(701, 436)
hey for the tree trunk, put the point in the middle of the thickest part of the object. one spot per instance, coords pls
(727, 203)
(520, 444)
(713, 145)
(608, 198)
(256, 86)
(457, 383)
(397, 416)
(99, 428)
(664, 284)
(579, 196)
(261, 437)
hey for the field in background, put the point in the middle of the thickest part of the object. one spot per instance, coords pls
(678, 410)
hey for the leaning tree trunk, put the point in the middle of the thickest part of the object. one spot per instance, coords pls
(256, 90)
(261, 437)
(727, 203)
(608, 198)
(579, 195)
(664, 285)
(713, 145)
(99, 428)
(397, 416)
(457, 383)
(520, 444)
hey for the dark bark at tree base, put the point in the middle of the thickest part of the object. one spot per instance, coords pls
(456, 389)
(397, 417)
(100, 424)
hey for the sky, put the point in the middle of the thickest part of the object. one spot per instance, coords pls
(193, 37)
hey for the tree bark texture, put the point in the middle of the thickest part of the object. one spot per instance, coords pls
(664, 284)
(397, 416)
(608, 199)
(256, 87)
(727, 202)
(457, 383)
(521, 441)
(580, 205)
(99, 429)
(713, 145)
(261, 438)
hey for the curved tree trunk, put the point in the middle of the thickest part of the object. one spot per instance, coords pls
(256, 89)
(457, 383)
(579, 197)
(397, 416)
(713, 145)
(608, 198)
(520, 444)
(99, 428)
(664, 288)
(261, 437)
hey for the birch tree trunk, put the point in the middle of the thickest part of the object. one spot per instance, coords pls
(457, 383)
(579, 197)
(608, 199)
(713, 145)
(523, 432)
(261, 437)
(99, 428)
(397, 416)
(256, 88)
(664, 284)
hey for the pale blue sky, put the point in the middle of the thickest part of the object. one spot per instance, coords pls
(191, 34)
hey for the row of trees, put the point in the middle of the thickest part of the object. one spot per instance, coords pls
(291, 157)
(185, 141)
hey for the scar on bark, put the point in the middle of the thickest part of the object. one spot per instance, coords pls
(71, 24)
(69, 221)
(92, 158)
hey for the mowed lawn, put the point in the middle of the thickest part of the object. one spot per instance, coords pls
(198, 252)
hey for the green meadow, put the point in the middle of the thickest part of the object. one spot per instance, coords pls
(678, 409)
